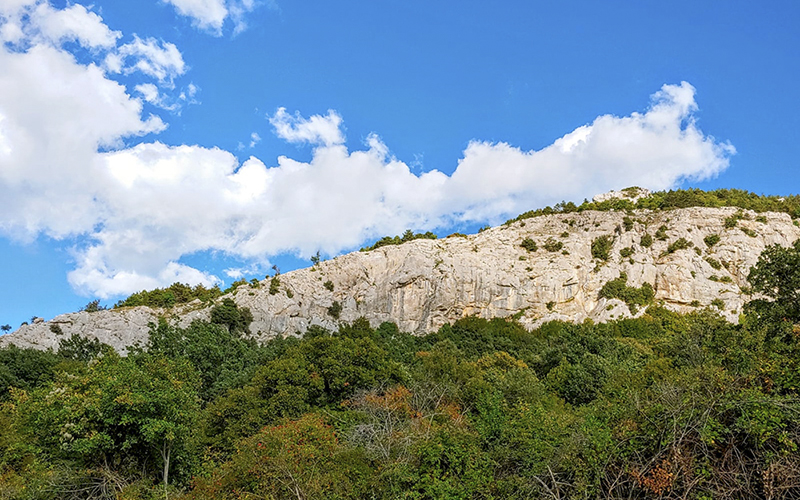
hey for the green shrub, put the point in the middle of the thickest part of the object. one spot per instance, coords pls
(553, 245)
(714, 263)
(719, 304)
(601, 247)
(335, 309)
(399, 240)
(550, 305)
(632, 296)
(749, 232)
(679, 244)
(627, 223)
(733, 220)
(646, 241)
(661, 233)
(528, 244)
(176, 293)
(233, 317)
(761, 219)
(565, 234)
(274, 285)
(328, 285)
(626, 252)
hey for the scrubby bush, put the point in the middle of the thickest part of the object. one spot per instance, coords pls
(633, 297)
(528, 244)
(679, 244)
(553, 245)
(335, 309)
(711, 240)
(601, 247)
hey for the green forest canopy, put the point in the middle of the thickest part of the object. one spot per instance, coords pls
(661, 406)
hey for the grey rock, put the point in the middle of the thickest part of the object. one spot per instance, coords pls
(423, 284)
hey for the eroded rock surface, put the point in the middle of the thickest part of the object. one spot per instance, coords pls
(423, 284)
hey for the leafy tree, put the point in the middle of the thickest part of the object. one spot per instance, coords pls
(301, 458)
(222, 357)
(25, 368)
(233, 317)
(6, 328)
(121, 412)
(78, 348)
(777, 276)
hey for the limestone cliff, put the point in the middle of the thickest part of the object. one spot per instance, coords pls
(424, 284)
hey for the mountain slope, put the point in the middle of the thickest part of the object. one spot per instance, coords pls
(423, 284)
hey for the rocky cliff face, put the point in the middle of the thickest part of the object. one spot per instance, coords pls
(423, 284)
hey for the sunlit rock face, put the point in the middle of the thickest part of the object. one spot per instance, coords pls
(423, 284)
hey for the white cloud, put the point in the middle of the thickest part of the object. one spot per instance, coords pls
(210, 15)
(254, 139)
(55, 114)
(317, 130)
(160, 60)
(75, 23)
(37, 22)
(141, 209)
(205, 14)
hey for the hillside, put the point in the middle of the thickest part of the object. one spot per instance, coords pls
(698, 257)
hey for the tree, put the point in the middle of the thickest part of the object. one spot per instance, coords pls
(230, 315)
(777, 276)
(6, 328)
(120, 413)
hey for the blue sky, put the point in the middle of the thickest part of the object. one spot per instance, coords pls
(204, 140)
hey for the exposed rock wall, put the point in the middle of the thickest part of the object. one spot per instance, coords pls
(424, 284)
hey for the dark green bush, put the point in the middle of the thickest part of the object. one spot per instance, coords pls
(601, 247)
(335, 309)
(553, 245)
(679, 244)
(633, 297)
(627, 223)
(528, 244)
(711, 240)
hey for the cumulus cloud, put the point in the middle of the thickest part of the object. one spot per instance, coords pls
(75, 23)
(161, 60)
(317, 130)
(54, 115)
(36, 21)
(138, 211)
(210, 15)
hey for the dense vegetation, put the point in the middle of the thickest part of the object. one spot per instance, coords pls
(681, 198)
(398, 240)
(177, 293)
(662, 406)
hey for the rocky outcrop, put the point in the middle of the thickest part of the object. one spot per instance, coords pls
(423, 284)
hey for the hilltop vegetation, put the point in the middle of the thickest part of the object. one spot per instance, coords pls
(661, 406)
(659, 200)
(681, 198)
